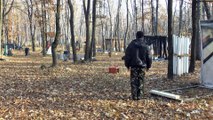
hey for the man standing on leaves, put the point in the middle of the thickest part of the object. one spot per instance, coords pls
(137, 59)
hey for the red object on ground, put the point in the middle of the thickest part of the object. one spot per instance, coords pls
(113, 69)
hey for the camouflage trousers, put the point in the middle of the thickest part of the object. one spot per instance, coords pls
(137, 83)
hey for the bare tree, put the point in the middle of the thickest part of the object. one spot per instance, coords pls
(180, 17)
(30, 12)
(153, 17)
(67, 28)
(103, 35)
(206, 6)
(174, 16)
(194, 32)
(136, 14)
(72, 29)
(93, 41)
(102, 8)
(170, 40)
(87, 16)
(57, 35)
(127, 24)
(198, 43)
(43, 27)
(1, 5)
(156, 21)
(111, 34)
(117, 29)
(5, 12)
(142, 5)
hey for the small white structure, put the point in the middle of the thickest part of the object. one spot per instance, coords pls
(181, 47)
(49, 51)
(60, 56)
(207, 53)
(80, 56)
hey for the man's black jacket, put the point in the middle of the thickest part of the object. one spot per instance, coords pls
(138, 54)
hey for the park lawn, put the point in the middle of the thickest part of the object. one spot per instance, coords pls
(30, 89)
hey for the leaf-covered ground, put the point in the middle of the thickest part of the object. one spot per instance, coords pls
(29, 89)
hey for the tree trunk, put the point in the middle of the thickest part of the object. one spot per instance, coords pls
(153, 18)
(198, 43)
(118, 26)
(4, 14)
(93, 41)
(127, 24)
(87, 16)
(170, 40)
(45, 29)
(33, 38)
(136, 20)
(111, 34)
(208, 14)
(1, 5)
(67, 30)
(180, 17)
(58, 30)
(32, 29)
(142, 15)
(2, 27)
(5, 7)
(30, 17)
(43, 32)
(193, 42)
(174, 15)
(117, 29)
(72, 29)
(156, 22)
(103, 36)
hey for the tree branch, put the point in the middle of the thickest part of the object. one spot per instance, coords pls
(11, 5)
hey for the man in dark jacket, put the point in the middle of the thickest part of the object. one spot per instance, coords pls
(138, 59)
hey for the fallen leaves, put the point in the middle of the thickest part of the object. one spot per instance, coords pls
(87, 91)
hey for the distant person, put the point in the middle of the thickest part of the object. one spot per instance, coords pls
(10, 53)
(27, 51)
(137, 59)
